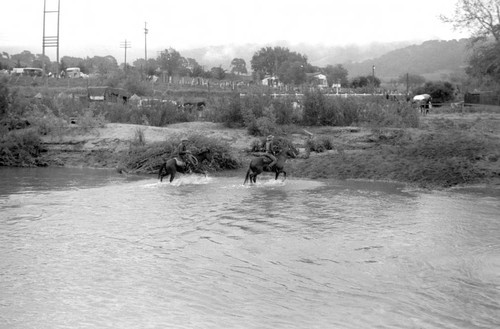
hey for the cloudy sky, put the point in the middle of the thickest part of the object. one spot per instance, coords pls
(99, 27)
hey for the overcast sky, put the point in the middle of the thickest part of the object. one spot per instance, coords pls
(99, 27)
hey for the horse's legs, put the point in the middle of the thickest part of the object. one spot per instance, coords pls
(172, 175)
(278, 172)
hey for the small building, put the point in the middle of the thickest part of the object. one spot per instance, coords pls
(318, 79)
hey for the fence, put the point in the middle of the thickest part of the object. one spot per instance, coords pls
(485, 98)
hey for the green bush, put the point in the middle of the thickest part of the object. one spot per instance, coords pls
(148, 159)
(319, 145)
(20, 148)
(231, 113)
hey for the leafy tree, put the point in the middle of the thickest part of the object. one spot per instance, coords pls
(24, 59)
(440, 91)
(72, 61)
(218, 73)
(292, 73)
(172, 62)
(267, 61)
(103, 65)
(198, 71)
(484, 63)
(359, 82)
(481, 17)
(336, 74)
(239, 66)
(373, 81)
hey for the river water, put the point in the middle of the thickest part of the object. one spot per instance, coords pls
(84, 248)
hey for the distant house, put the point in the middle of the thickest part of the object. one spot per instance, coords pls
(318, 79)
(108, 94)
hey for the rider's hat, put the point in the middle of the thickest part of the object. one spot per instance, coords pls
(184, 139)
(270, 137)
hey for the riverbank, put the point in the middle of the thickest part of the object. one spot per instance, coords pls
(447, 149)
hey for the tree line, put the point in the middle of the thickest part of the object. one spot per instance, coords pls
(291, 68)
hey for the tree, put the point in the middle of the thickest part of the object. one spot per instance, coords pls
(484, 63)
(481, 17)
(336, 74)
(239, 66)
(359, 82)
(24, 59)
(104, 65)
(172, 62)
(218, 73)
(267, 61)
(292, 73)
(440, 91)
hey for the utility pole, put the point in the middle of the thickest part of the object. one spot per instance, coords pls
(125, 44)
(373, 78)
(52, 40)
(145, 43)
(407, 86)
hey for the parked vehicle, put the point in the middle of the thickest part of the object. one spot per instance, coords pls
(73, 72)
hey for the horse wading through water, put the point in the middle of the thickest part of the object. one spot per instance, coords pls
(174, 165)
(259, 164)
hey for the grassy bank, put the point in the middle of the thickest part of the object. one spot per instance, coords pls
(437, 159)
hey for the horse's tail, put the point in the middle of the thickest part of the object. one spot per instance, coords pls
(247, 176)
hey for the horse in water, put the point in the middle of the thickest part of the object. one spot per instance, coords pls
(173, 165)
(259, 164)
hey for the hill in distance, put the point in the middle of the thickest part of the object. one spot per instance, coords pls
(432, 59)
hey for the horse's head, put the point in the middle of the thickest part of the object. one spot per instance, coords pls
(290, 152)
(205, 153)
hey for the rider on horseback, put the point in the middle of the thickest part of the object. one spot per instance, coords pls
(182, 152)
(270, 152)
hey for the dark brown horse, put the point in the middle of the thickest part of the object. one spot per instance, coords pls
(173, 165)
(259, 164)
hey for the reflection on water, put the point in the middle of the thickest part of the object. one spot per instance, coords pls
(93, 249)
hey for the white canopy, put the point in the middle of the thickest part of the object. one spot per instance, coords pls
(421, 97)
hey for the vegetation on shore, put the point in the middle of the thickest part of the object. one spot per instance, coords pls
(438, 159)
